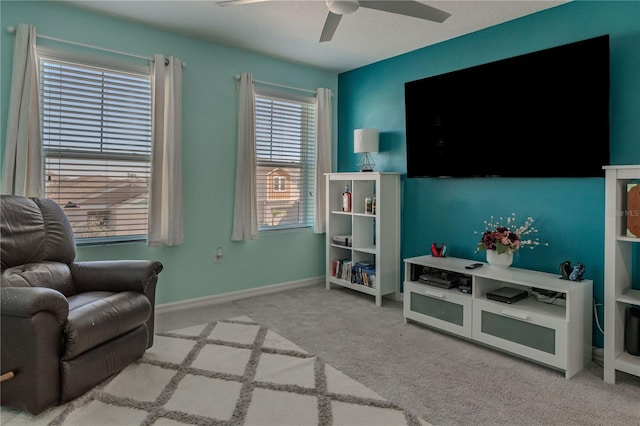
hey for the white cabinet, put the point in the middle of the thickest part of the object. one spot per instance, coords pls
(555, 332)
(363, 245)
(618, 271)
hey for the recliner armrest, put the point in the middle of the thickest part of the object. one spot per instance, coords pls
(115, 275)
(25, 302)
(32, 319)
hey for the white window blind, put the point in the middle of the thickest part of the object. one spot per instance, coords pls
(96, 138)
(285, 156)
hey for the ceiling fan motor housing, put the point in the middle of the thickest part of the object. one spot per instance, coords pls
(343, 7)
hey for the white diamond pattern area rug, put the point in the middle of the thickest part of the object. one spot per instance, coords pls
(232, 372)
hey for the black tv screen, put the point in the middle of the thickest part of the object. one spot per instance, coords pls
(542, 114)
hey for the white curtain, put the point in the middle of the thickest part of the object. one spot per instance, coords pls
(323, 158)
(245, 212)
(22, 168)
(165, 197)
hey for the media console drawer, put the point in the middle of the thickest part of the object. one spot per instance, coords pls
(556, 334)
(448, 310)
(520, 332)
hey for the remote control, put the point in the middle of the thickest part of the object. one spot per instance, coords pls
(473, 266)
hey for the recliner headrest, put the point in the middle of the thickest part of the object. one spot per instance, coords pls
(34, 230)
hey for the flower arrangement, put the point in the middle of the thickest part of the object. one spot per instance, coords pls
(508, 237)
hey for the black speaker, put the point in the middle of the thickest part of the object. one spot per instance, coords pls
(416, 271)
(632, 330)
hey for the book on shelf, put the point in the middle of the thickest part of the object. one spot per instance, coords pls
(633, 210)
(335, 265)
(364, 273)
(342, 269)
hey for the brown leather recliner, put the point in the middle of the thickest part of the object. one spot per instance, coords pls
(66, 325)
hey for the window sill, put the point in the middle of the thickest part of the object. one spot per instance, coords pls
(287, 229)
(97, 242)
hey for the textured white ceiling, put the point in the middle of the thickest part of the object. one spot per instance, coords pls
(291, 29)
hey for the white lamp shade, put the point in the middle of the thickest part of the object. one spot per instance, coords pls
(365, 140)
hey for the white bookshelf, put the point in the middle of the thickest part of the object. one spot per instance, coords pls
(618, 273)
(375, 236)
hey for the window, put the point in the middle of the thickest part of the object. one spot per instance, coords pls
(98, 222)
(285, 157)
(279, 183)
(96, 139)
(278, 188)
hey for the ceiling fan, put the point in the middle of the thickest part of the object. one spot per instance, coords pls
(337, 8)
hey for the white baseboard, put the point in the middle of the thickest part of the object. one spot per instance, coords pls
(235, 295)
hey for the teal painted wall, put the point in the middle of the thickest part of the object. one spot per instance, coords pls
(568, 212)
(209, 151)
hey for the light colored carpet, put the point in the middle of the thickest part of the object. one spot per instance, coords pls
(231, 372)
(445, 379)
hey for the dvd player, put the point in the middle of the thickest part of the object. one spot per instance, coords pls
(438, 284)
(507, 294)
(442, 281)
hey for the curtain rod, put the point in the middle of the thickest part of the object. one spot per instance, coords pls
(279, 85)
(12, 30)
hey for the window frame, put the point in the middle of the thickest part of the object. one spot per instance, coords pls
(103, 64)
(306, 165)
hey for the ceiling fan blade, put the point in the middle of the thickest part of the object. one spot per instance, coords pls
(408, 8)
(237, 2)
(330, 26)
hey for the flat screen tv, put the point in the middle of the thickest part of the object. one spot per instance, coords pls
(542, 114)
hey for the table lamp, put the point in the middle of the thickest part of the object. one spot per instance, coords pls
(365, 141)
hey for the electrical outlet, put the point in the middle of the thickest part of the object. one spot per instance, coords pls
(219, 255)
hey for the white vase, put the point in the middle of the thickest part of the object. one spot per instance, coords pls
(502, 260)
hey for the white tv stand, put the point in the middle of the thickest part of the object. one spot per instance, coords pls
(550, 334)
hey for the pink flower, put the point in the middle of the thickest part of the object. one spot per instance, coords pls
(508, 238)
